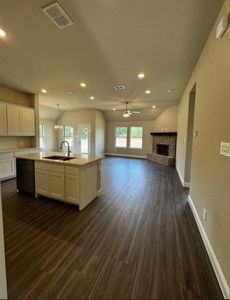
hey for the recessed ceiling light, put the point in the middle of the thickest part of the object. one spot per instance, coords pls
(92, 98)
(154, 106)
(114, 108)
(141, 75)
(82, 84)
(44, 91)
(2, 33)
(147, 92)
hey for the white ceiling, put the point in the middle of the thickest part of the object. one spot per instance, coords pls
(110, 42)
(51, 113)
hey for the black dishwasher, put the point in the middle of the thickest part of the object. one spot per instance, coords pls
(25, 175)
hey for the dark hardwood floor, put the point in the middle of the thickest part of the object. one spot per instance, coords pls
(138, 240)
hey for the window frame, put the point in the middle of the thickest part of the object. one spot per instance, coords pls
(69, 137)
(42, 137)
(127, 137)
(130, 137)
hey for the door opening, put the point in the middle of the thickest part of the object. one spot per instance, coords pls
(84, 138)
(190, 135)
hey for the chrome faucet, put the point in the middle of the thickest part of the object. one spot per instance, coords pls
(63, 142)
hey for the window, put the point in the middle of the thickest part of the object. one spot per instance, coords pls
(121, 134)
(69, 135)
(136, 137)
(42, 135)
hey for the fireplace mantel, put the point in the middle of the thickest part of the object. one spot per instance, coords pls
(165, 133)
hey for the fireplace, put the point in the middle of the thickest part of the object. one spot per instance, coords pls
(163, 149)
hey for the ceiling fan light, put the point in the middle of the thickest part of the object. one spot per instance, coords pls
(126, 114)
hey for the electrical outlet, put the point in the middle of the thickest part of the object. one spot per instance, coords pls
(205, 214)
(225, 149)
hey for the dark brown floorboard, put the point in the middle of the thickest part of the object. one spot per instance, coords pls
(138, 240)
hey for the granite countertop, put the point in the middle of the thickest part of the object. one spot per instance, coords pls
(78, 160)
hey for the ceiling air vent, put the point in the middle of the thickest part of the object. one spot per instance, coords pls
(57, 14)
(119, 87)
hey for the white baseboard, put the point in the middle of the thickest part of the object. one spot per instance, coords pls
(127, 155)
(99, 193)
(215, 264)
(184, 183)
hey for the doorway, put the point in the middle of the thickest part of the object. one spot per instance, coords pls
(190, 136)
(84, 138)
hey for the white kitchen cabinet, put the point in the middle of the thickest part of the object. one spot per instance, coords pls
(7, 166)
(20, 121)
(42, 182)
(49, 180)
(3, 121)
(13, 120)
(27, 122)
(57, 185)
(72, 183)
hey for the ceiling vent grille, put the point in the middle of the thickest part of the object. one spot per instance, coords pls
(119, 87)
(57, 14)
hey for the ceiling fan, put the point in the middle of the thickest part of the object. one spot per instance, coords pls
(127, 113)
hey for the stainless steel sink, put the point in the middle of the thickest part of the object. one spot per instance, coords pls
(57, 157)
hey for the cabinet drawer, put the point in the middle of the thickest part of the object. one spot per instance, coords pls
(49, 166)
(72, 170)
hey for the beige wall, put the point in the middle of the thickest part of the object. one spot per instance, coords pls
(3, 287)
(167, 121)
(148, 127)
(210, 178)
(51, 137)
(87, 116)
(100, 128)
(16, 97)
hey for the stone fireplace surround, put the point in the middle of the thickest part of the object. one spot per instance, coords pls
(159, 140)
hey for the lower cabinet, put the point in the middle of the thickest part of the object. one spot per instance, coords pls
(72, 183)
(49, 180)
(42, 181)
(57, 182)
(7, 166)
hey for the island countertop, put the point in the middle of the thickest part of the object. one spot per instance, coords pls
(78, 160)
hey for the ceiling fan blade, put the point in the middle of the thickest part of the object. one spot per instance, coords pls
(136, 112)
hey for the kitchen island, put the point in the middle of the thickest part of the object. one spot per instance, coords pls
(75, 179)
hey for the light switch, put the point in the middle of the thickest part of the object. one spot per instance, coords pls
(225, 149)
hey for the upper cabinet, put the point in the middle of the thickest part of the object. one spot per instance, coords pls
(3, 120)
(27, 122)
(13, 120)
(16, 120)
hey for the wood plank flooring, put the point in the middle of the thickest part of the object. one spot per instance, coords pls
(138, 240)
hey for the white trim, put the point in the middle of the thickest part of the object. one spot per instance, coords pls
(215, 264)
(99, 192)
(184, 183)
(127, 155)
